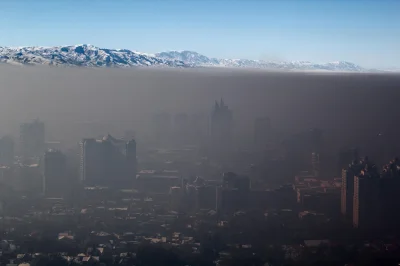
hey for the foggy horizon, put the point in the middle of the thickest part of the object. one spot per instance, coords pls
(125, 99)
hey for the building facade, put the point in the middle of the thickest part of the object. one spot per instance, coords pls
(221, 128)
(108, 161)
(366, 214)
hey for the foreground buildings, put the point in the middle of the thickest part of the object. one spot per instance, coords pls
(178, 199)
(370, 197)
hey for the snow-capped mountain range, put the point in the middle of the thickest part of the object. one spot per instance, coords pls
(82, 55)
(92, 56)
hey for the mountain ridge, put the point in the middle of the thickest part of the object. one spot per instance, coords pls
(87, 55)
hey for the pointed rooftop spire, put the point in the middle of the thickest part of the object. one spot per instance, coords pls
(222, 102)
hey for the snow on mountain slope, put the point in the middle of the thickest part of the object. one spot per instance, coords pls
(91, 56)
(188, 57)
(82, 55)
(201, 60)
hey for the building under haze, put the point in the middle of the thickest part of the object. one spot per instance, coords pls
(389, 196)
(108, 161)
(347, 188)
(55, 181)
(366, 213)
(221, 128)
(32, 139)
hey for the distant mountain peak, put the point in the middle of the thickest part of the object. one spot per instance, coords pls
(89, 55)
(86, 55)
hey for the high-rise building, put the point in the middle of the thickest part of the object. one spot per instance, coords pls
(346, 197)
(92, 161)
(347, 189)
(32, 139)
(221, 126)
(108, 161)
(6, 151)
(262, 132)
(55, 181)
(389, 196)
(366, 213)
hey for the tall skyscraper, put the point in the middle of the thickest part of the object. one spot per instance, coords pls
(347, 189)
(32, 139)
(108, 161)
(366, 214)
(6, 151)
(221, 126)
(390, 196)
(55, 181)
(92, 161)
(262, 132)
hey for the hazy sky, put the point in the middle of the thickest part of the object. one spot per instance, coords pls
(363, 32)
(76, 102)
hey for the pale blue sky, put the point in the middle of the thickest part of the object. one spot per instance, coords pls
(363, 32)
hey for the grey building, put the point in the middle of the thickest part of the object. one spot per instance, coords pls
(107, 161)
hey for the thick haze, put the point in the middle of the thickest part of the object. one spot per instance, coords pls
(66, 99)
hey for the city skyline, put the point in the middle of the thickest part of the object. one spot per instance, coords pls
(317, 31)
